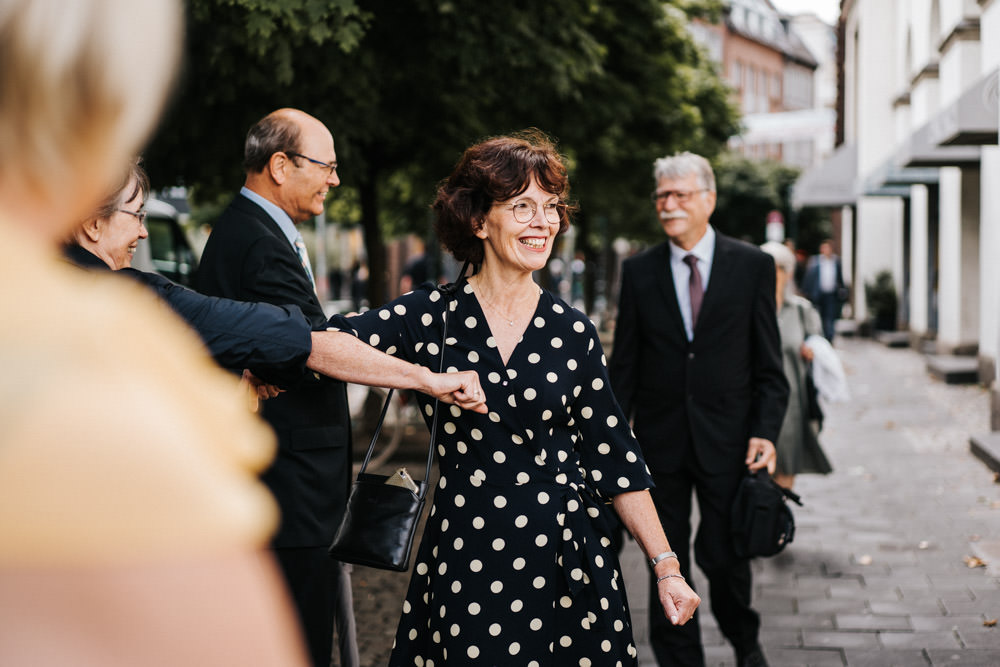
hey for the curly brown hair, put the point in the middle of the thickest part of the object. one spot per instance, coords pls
(493, 171)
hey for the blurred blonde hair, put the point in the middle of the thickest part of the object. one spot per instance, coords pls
(81, 87)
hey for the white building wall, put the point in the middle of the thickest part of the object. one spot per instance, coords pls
(989, 36)
(879, 245)
(919, 279)
(989, 250)
(958, 291)
(960, 64)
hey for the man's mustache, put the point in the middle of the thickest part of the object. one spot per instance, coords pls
(673, 215)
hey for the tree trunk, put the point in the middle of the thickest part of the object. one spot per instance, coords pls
(374, 242)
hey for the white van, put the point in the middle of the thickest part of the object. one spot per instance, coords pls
(167, 251)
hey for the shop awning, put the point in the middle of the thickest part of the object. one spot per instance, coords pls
(922, 150)
(972, 119)
(830, 183)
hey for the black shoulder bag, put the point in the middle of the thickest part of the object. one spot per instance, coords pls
(381, 518)
(762, 521)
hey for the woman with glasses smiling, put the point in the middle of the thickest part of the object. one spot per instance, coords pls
(516, 565)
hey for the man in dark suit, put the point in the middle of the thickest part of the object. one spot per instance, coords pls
(697, 366)
(255, 253)
(824, 286)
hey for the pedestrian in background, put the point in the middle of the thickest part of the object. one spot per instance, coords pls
(516, 565)
(697, 367)
(798, 447)
(132, 523)
(824, 285)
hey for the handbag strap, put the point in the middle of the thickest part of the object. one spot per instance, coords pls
(449, 292)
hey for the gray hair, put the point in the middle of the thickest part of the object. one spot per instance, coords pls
(682, 165)
(784, 259)
(276, 132)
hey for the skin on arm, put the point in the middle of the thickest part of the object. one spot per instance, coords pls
(637, 512)
(342, 356)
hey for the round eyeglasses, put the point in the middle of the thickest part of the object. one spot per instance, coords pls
(525, 209)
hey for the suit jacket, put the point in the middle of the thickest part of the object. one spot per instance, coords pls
(248, 258)
(711, 394)
(274, 342)
(810, 282)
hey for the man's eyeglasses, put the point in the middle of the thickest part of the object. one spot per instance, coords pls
(331, 166)
(524, 210)
(139, 215)
(681, 196)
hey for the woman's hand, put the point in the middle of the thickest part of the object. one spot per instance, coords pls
(461, 388)
(806, 352)
(678, 600)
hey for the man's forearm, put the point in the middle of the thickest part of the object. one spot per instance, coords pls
(342, 356)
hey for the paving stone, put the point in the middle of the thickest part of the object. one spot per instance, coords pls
(964, 658)
(921, 640)
(852, 605)
(804, 621)
(872, 622)
(814, 639)
(886, 658)
(782, 657)
(982, 637)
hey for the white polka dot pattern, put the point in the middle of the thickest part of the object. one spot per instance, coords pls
(513, 568)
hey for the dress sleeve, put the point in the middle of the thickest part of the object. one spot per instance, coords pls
(609, 453)
(401, 327)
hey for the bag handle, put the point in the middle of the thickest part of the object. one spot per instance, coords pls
(449, 292)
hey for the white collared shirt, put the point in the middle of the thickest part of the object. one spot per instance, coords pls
(827, 274)
(704, 250)
(277, 214)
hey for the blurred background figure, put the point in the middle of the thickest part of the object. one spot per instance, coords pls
(417, 270)
(823, 284)
(131, 518)
(798, 448)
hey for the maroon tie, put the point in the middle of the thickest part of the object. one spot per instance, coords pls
(694, 287)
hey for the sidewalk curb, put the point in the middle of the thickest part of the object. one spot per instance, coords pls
(986, 448)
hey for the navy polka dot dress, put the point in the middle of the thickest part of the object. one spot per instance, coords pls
(516, 565)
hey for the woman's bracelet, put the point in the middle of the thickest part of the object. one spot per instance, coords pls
(667, 576)
(665, 555)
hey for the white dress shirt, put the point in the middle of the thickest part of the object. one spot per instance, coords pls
(704, 250)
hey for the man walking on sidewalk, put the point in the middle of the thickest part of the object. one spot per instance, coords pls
(823, 284)
(697, 366)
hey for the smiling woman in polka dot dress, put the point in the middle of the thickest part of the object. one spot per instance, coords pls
(516, 565)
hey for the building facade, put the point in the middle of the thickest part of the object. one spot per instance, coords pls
(917, 170)
(772, 72)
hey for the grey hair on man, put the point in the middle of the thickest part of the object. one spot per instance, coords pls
(681, 165)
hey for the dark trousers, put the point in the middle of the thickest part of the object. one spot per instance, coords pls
(311, 579)
(828, 306)
(729, 578)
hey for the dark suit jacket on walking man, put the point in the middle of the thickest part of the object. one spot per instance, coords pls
(255, 253)
(823, 284)
(697, 367)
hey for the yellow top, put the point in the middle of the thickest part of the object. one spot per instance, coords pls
(120, 440)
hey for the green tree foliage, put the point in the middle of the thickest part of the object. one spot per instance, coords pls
(747, 191)
(406, 86)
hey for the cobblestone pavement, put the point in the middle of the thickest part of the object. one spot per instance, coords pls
(879, 570)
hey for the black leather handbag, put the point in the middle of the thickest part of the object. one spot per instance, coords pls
(381, 519)
(762, 521)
